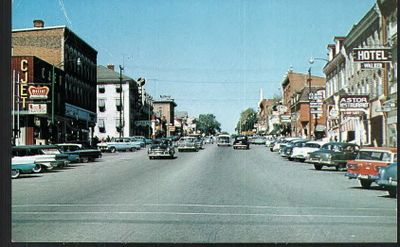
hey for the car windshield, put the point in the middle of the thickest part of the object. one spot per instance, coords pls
(240, 138)
(373, 155)
(187, 140)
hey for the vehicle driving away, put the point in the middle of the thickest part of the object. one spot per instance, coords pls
(161, 148)
(241, 141)
(187, 143)
(223, 140)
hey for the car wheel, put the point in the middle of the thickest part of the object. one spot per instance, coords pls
(317, 167)
(150, 158)
(48, 168)
(85, 160)
(291, 159)
(37, 169)
(392, 192)
(366, 184)
(271, 150)
(15, 173)
(112, 150)
(301, 160)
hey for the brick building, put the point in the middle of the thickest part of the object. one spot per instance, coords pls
(32, 96)
(292, 85)
(164, 110)
(63, 49)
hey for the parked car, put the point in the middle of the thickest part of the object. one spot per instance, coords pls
(269, 140)
(23, 165)
(148, 141)
(388, 178)
(301, 153)
(259, 140)
(84, 155)
(287, 150)
(187, 143)
(223, 140)
(43, 155)
(119, 144)
(333, 154)
(198, 140)
(285, 142)
(241, 141)
(365, 167)
(161, 148)
(140, 139)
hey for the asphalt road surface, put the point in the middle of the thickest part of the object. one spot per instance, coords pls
(215, 195)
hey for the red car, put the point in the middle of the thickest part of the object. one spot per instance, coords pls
(368, 162)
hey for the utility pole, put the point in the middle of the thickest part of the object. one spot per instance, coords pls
(120, 101)
(309, 103)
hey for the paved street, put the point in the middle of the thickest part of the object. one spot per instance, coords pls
(215, 195)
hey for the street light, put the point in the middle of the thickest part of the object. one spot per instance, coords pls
(53, 81)
(311, 61)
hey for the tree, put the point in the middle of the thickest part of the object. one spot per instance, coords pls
(247, 120)
(207, 124)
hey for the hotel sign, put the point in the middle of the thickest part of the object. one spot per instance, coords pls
(37, 108)
(371, 55)
(38, 92)
(353, 102)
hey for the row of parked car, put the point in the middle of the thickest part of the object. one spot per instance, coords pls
(40, 158)
(366, 164)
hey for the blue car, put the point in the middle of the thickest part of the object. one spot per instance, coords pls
(388, 179)
(20, 165)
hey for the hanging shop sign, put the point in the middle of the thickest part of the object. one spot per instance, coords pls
(285, 119)
(38, 92)
(37, 109)
(353, 102)
(372, 55)
(23, 83)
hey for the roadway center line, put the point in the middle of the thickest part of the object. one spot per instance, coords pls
(212, 214)
(191, 205)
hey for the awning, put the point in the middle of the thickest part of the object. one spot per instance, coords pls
(320, 128)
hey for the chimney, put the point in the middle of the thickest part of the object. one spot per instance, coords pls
(110, 67)
(38, 23)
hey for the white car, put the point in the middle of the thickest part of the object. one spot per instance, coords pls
(223, 140)
(301, 153)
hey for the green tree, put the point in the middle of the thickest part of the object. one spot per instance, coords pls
(207, 124)
(247, 120)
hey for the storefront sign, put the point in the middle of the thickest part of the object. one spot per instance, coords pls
(315, 104)
(23, 83)
(38, 92)
(142, 123)
(37, 108)
(171, 128)
(382, 55)
(316, 111)
(353, 102)
(371, 66)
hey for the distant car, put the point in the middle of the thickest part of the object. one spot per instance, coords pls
(140, 139)
(161, 148)
(23, 165)
(365, 167)
(387, 179)
(241, 141)
(84, 155)
(259, 140)
(209, 140)
(223, 140)
(187, 143)
(333, 154)
(119, 144)
(301, 153)
(198, 140)
(47, 156)
(288, 149)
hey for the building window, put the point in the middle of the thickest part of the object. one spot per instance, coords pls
(102, 105)
(118, 89)
(118, 104)
(102, 89)
(100, 123)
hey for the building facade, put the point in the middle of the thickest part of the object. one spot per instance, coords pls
(164, 110)
(118, 104)
(292, 85)
(65, 50)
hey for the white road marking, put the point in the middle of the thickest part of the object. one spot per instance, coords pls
(190, 205)
(212, 214)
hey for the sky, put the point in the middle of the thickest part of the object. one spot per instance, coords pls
(210, 56)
